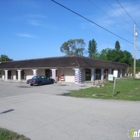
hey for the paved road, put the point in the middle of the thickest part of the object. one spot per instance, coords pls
(40, 114)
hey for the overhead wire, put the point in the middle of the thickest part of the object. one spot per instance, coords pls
(129, 17)
(90, 21)
(127, 12)
(108, 16)
(118, 13)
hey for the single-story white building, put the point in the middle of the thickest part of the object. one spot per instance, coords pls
(68, 68)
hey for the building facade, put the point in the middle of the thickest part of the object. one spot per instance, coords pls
(69, 69)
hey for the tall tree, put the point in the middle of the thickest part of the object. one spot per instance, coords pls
(92, 48)
(117, 46)
(75, 47)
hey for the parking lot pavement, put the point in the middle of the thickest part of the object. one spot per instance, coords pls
(19, 88)
(41, 116)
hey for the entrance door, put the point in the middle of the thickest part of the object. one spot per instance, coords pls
(88, 74)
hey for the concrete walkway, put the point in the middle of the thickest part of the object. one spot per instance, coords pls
(44, 116)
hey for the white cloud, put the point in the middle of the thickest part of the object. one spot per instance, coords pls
(34, 22)
(26, 35)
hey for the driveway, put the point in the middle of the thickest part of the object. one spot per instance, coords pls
(40, 113)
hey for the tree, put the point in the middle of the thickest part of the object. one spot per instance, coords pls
(75, 47)
(120, 56)
(4, 58)
(111, 55)
(126, 57)
(92, 48)
(138, 62)
(104, 53)
(117, 46)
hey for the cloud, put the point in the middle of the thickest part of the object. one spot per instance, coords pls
(26, 35)
(37, 16)
(34, 22)
(115, 18)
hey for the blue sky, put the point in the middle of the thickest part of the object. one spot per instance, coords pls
(37, 28)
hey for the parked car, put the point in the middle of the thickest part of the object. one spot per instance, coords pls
(40, 80)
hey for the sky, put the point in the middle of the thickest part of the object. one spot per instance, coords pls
(37, 28)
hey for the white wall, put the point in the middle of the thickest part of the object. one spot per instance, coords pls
(69, 74)
(41, 72)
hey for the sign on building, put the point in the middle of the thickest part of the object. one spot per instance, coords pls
(110, 77)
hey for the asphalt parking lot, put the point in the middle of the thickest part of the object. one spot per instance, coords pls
(19, 88)
(40, 113)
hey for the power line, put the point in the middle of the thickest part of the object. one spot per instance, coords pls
(126, 12)
(108, 16)
(118, 13)
(129, 16)
(91, 21)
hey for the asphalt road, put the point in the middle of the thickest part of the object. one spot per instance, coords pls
(40, 113)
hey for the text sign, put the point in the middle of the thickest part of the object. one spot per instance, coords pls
(110, 77)
(115, 73)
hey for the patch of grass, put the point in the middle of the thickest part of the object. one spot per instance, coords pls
(9, 135)
(126, 89)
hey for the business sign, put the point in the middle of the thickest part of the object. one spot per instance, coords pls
(115, 73)
(110, 77)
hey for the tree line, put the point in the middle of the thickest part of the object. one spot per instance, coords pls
(76, 47)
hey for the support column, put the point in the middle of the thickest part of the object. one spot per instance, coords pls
(92, 74)
(54, 74)
(78, 75)
(110, 71)
(19, 75)
(102, 74)
(6, 74)
(34, 72)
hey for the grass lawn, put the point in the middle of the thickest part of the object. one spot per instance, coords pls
(126, 89)
(9, 135)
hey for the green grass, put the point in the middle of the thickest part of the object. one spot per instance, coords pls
(126, 89)
(9, 135)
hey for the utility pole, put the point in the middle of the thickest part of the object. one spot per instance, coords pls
(135, 35)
